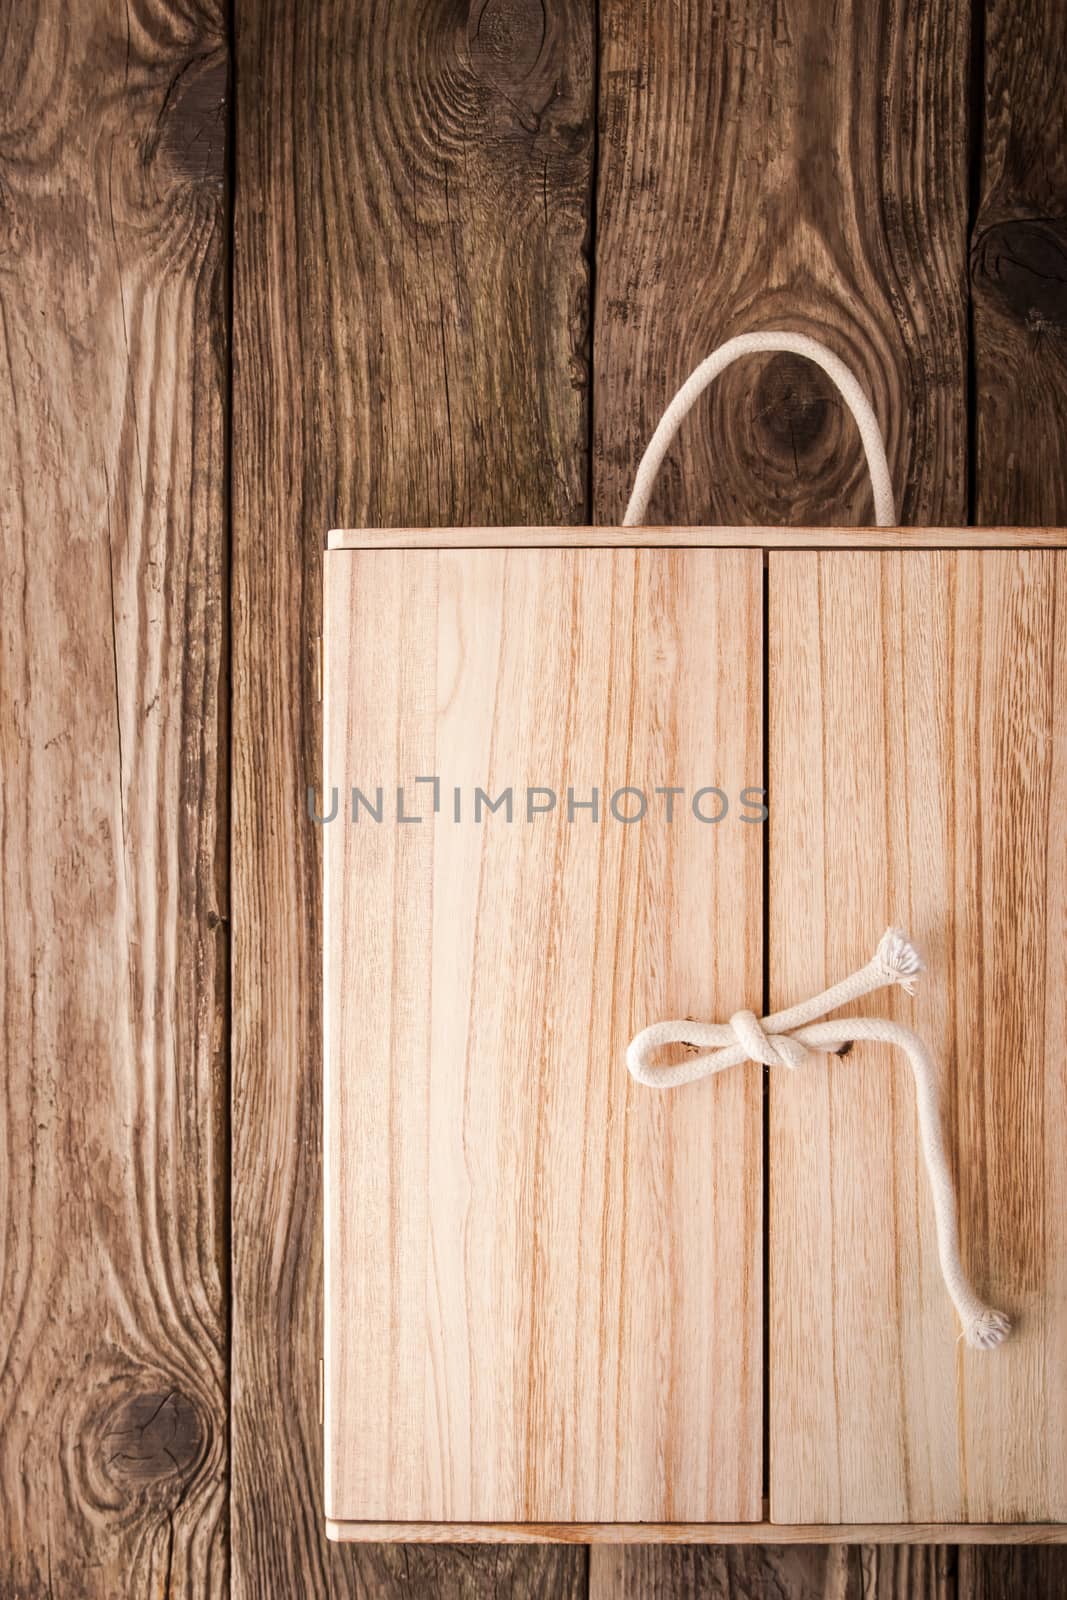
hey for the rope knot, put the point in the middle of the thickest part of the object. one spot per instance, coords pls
(785, 1038)
(770, 1049)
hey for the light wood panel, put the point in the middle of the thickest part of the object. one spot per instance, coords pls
(410, 327)
(543, 1283)
(801, 165)
(918, 774)
(113, 951)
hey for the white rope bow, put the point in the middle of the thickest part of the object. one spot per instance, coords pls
(784, 1039)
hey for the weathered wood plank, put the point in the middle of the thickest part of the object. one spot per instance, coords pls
(725, 1572)
(918, 774)
(1018, 255)
(1000, 1573)
(794, 1572)
(444, 1572)
(914, 1571)
(113, 873)
(1019, 268)
(543, 1281)
(410, 347)
(802, 165)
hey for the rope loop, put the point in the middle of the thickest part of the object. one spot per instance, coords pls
(798, 344)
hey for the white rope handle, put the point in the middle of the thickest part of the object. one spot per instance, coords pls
(784, 1039)
(797, 344)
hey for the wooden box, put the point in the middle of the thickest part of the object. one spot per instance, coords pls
(559, 1304)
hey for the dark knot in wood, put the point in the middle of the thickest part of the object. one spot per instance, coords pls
(151, 1437)
(190, 134)
(1021, 266)
(793, 406)
(511, 50)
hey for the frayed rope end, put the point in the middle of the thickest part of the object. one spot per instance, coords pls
(898, 959)
(988, 1330)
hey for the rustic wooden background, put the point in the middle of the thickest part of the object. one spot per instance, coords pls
(314, 262)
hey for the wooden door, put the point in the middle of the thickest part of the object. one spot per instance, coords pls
(918, 774)
(543, 1284)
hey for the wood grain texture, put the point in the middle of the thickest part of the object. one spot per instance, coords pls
(797, 1572)
(722, 1572)
(412, 274)
(1019, 267)
(803, 166)
(113, 1404)
(543, 1282)
(907, 1572)
(411, 325)
(1012, 1574)
(933, 685)
(831, 1572)
(444, 1572)
(1019, 316)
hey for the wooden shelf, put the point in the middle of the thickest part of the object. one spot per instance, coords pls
(697, 538)
(698, 1532)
